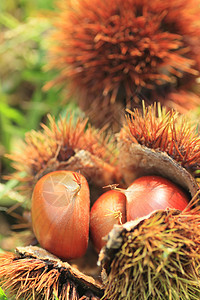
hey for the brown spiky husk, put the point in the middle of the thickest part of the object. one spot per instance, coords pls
(156, 132)
(112, 50)
(66, 145)
(33, 273)
(156, 257)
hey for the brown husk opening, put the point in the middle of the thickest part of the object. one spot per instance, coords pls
(33, 273)
(157, 142)
(154, 257)
(67, 144)
(136, 160)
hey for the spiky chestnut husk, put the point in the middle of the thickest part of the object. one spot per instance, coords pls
(156, 142)
(110, 50)
(35, 273)
(66, 145)
(155, 257)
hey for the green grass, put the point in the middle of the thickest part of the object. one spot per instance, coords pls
(2, 295)
(25, 26)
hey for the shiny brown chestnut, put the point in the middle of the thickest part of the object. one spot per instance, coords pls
(109, 209)
(60, 213)
(149, 193)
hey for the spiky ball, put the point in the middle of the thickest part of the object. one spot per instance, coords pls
(156, 257)
(162, 131)
(66, 144)
(110, 50)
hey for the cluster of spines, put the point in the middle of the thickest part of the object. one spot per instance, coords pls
(50, 149)
(158, 259)
(167, 132)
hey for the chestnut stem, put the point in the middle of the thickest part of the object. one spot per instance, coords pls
(117, 215)
(115, 188)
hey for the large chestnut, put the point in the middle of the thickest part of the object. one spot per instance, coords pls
(60, 213)
(109, 209)
(149, 193)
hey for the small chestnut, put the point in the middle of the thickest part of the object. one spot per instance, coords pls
(109, 209)
(149, 193)
(60, 213)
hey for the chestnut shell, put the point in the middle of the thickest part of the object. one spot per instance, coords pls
(60, 214)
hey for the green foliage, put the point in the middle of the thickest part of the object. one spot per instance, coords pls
(2, 295)
(55, 297)
(23, 8)
(9, 197)
(25, 28)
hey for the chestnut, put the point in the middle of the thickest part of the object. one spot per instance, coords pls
(149, 193)
(60, 213)
(109, 209)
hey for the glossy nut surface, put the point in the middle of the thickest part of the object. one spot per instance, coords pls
(149, 193)
(109, 209)
(60, 213)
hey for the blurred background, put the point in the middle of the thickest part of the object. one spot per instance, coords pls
(24, 29)
(24, 26)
